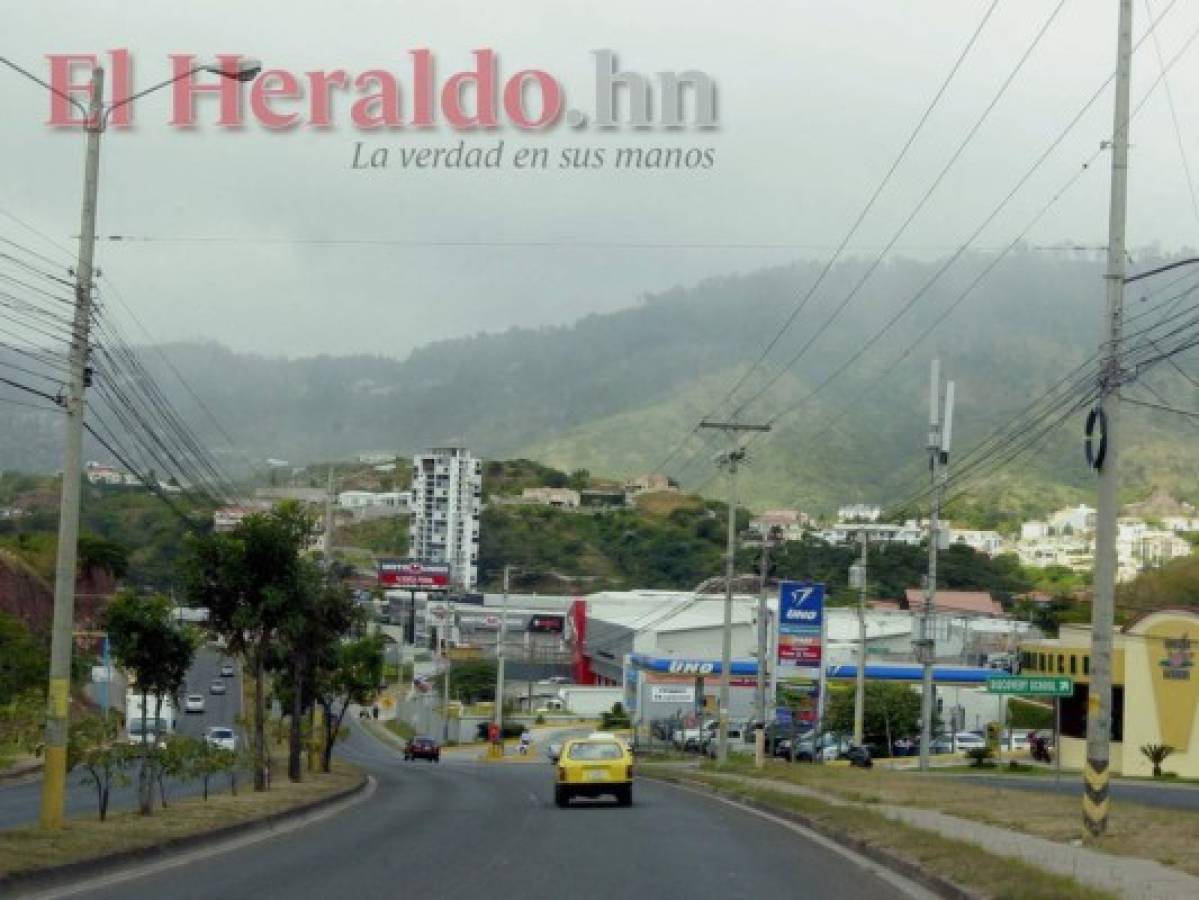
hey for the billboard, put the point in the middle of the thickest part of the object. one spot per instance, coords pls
(413, 574)
(801, 629)
(547, 624)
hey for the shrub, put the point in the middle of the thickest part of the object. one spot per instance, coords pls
(980, 756)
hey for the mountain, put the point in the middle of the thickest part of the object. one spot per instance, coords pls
(615, 393)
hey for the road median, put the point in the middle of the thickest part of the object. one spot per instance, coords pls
(36, 859)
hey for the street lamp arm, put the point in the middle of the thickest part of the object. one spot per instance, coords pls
(53, 90)
(1189, 261)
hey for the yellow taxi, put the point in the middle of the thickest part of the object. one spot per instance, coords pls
(595, 766)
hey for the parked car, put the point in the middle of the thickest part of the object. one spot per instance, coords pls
(221, 736)
(217, 687)
(422, 747)
(193, 703)
(590, 767)
(859, 757)
(712, 741)
(960, 742)
(227, 670)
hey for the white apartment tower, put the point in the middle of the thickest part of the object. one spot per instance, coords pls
(447, 496)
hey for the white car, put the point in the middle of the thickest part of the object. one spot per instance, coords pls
(221, 736)
(193, 703)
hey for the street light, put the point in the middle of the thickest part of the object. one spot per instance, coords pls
(54, 781)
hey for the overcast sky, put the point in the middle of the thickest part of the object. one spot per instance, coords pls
(815, 99)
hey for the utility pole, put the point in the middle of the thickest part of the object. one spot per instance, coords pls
(54, 780)
(763, 622)
(329, 496)
(732, 458)
(497, 716)
(939, 432)
(857, 578)
(1095, 801)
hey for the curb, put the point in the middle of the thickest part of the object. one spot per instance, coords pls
(939, 885)
(22, 772)
(52, 877)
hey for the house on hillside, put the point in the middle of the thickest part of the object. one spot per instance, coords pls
(652, 483)
(562, 498)
(988, 542)
(786, 524)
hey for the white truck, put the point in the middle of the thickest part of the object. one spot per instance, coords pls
(164, 727)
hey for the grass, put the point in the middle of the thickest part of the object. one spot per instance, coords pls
(1168, 836)
(24, 849)
(958, 861)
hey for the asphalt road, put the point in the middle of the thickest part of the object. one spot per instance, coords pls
(20, 803)
(464, 829)
(1148, 793)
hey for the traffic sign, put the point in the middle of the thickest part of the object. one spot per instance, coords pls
(1051, 686)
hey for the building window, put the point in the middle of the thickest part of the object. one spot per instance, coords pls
(1073, 664)
(1086, 665)
(1061, 664)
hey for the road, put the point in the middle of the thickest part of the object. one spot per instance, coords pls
(20, 803)
(1170, 796)
(464, 829)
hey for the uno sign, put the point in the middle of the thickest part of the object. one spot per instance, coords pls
(683, 667)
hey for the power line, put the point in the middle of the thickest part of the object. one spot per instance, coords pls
(861, 217)
(936, 183)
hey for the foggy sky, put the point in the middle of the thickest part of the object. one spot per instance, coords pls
(815, 99)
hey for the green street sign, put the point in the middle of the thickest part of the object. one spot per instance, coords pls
(1050, 686)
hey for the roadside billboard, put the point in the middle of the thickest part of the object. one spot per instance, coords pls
(413, 574)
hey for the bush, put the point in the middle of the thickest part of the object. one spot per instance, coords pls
(540, 720)
(980, 756)
(615, 718)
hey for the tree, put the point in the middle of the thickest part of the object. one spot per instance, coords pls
(318, 617)
(23, 659)
(245, 578)
(892, 711)
(353, 677)
(147, 641)
(473, 680)
(94, 746)
(1157, 754)
(208, 761)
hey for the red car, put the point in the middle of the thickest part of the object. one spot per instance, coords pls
(423, 748)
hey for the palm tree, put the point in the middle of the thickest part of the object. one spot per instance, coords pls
(1156, 754)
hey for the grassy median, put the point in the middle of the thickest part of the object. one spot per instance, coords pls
(960, 862)
(1168, 836)
(23, 849)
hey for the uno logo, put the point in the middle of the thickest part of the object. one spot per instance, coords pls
(692, 668)
(803, 615)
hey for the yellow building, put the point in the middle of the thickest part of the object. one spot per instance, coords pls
(1155, 690)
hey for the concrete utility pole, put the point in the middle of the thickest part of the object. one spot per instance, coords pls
(54, 780)
(1095, 802)
(857, 578)
(939, 432)
(497, 716)
(329, 498)
(763, 623)
(732, 458)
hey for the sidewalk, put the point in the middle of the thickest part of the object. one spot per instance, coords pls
(1126, 876)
